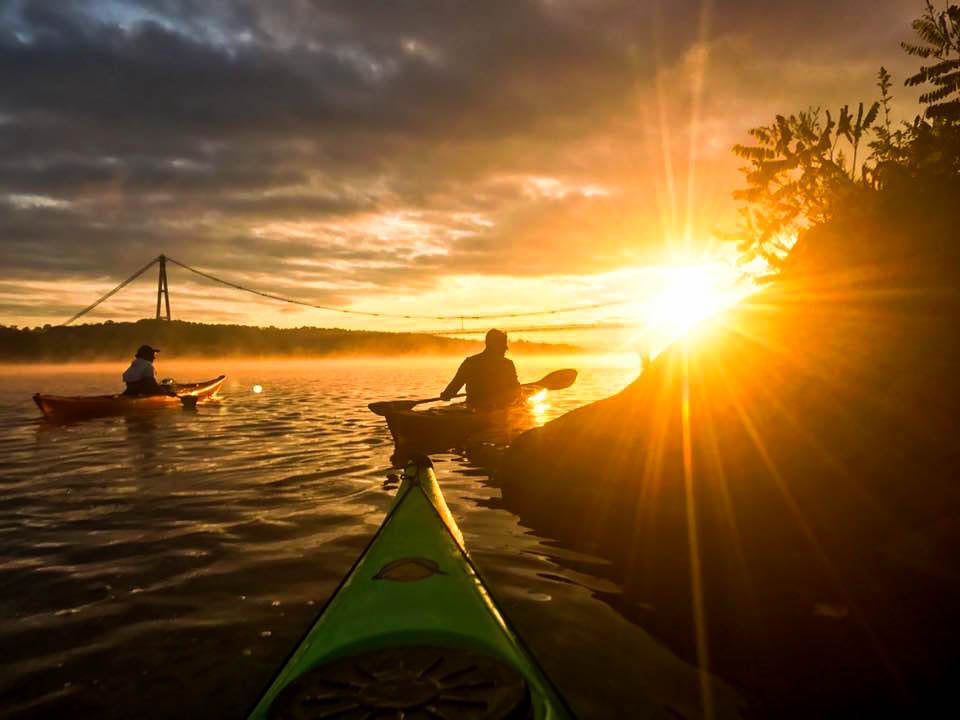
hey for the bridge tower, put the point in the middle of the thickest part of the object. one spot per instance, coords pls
(163, 290)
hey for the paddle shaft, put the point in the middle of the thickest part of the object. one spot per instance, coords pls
(557, 380)
(426, 400)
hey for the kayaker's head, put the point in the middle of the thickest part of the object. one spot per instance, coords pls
(147, 353)
(496, 341)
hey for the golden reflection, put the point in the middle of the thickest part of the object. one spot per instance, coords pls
(693, 540)
(539, 406)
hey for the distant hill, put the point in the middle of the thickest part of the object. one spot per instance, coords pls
(115, 341)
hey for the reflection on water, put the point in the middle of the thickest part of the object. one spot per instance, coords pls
(164, 565)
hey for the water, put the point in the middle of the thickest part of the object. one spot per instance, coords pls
(164, 566)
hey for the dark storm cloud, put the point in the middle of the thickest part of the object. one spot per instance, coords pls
(80, 175)
(37, 242)
(185, 126)
(389, 67)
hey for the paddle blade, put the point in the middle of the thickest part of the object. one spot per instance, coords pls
(557, 380)
(189, 401)
(386, 407)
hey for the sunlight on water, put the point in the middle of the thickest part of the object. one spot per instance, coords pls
(539, 406)
(181, 553)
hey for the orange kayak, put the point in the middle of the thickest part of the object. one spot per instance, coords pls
(60, 407)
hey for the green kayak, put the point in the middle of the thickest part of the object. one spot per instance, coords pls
(412, 632)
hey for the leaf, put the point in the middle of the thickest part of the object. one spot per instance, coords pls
(917, 50)
(748, 152)
(942, 67)
(936, 95)
(945, 111)
(843, 124)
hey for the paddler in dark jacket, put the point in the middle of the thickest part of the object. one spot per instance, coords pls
(491, 379)
(141, 376)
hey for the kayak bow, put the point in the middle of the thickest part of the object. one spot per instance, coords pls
(412, 632)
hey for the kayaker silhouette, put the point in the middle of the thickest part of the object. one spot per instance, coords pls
(491, 378)
(141, 376)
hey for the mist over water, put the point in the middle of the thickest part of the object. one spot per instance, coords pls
(164, 565)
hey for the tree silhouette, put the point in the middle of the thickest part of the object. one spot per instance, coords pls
(888, 145)
(797, 173)
(940, 36)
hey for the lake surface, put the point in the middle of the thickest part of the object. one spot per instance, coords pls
(165, 565)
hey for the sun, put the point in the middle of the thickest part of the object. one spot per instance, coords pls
(688, 295)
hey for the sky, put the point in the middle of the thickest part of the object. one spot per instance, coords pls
(414, 156)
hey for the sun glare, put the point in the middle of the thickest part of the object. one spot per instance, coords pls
(687, 296)
(538, 405)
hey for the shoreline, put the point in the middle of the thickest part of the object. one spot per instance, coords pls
(115, 342)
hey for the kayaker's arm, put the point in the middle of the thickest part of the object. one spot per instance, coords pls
(514, 384)
(458, 381)
(515, 381)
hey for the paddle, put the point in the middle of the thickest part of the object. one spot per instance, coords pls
(189, 402)
(557, 380)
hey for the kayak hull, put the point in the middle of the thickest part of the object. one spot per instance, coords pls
(412, 632)
(61, 407)
(455, 426)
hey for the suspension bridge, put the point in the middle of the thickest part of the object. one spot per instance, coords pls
(163, 306)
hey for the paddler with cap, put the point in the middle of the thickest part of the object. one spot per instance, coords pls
(141, 376)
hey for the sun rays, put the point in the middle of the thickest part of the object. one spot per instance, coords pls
(687, 295)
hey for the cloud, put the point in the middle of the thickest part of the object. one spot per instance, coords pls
(366, 143)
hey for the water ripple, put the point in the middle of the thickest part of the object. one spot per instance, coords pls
(163, 566)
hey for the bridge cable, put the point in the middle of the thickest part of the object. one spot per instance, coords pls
(346, 311)
(119, 287)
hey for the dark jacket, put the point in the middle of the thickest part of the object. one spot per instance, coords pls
(147, 386)
(141, 379)
(491, 381)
